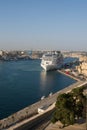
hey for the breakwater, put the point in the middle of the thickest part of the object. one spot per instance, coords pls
(24, 114)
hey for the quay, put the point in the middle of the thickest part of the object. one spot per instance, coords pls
(23, 119)
(73, 77)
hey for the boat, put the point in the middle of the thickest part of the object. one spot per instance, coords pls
(52, 60)
(42, 97)
(50, 94)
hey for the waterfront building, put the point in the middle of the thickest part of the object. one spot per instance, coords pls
(82, 68)
(1, 53)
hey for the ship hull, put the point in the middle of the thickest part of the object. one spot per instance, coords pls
(50, 67)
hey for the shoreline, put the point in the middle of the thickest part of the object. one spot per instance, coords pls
(73, 77)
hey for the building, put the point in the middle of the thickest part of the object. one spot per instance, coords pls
(82, 68)
(1, 53)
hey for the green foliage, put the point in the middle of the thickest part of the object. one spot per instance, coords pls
(77, 91)
(69, 106)
(53, 120)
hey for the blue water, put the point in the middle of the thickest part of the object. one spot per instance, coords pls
(25, 82)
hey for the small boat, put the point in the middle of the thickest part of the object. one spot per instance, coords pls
(42, 97)
(50, 94)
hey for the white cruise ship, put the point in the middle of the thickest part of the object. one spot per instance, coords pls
(52, 60)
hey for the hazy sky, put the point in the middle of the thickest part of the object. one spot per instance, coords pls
(43, 24)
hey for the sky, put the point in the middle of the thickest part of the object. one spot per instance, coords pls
(43, 25)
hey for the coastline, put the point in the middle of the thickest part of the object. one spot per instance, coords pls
(73, 77)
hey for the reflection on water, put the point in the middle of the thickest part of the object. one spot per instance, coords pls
(24, 82)
(46, 78)
(43, 79)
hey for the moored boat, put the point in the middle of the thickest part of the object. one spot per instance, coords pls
(42, 97)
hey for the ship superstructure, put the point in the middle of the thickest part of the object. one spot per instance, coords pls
(52, 60)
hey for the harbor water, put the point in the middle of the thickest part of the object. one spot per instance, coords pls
(23, 83)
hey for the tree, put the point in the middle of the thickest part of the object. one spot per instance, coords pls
(69, 106)
(80, 102)
(64, 109)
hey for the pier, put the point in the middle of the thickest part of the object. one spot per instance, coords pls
(23, 117)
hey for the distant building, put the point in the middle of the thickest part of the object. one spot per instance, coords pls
(37, 54)
(82, 68)
(1, 53)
